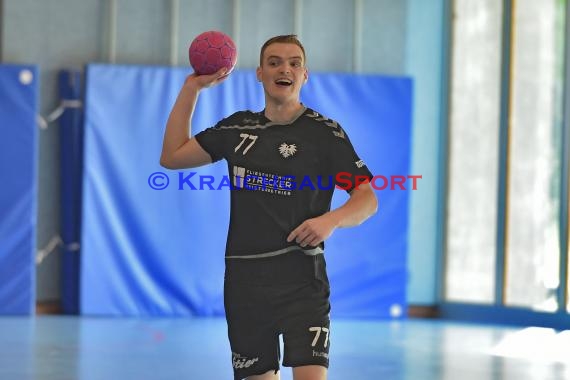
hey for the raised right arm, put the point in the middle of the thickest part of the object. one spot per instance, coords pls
(179, 150)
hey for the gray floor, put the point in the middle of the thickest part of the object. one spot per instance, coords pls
(50, 347)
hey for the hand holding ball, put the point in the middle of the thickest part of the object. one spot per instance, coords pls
(211, 51)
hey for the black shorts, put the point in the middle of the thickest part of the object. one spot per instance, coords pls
(285, 295)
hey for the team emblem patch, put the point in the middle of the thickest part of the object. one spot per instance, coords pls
(287, 150)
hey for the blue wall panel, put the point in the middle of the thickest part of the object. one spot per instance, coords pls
(18, 192)
(161, 252)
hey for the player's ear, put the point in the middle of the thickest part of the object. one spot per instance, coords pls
(258, 73)
(305, 76)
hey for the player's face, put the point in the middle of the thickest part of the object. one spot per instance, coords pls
(282, 72)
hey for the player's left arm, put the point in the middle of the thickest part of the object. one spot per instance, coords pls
(361, 205)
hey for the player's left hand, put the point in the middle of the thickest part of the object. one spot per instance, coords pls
(313, 231)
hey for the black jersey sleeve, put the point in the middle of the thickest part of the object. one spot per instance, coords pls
(214, 139)
(347, 168)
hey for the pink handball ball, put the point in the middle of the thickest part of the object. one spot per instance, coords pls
(212, 50)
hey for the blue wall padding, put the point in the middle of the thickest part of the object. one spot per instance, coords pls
(71, 156)
(152, 252)
(18, 193)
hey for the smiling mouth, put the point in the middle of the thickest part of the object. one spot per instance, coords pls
(284, 82)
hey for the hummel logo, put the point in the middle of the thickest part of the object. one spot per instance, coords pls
(287, 150)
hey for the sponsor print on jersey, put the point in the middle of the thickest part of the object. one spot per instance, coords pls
(244, 178)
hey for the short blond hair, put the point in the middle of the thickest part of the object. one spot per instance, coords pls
(284, 39)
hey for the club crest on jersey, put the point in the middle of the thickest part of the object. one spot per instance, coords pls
(287, 150)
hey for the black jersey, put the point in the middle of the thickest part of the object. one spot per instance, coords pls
(281, 175)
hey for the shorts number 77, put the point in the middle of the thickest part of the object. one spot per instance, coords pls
(317, 331)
